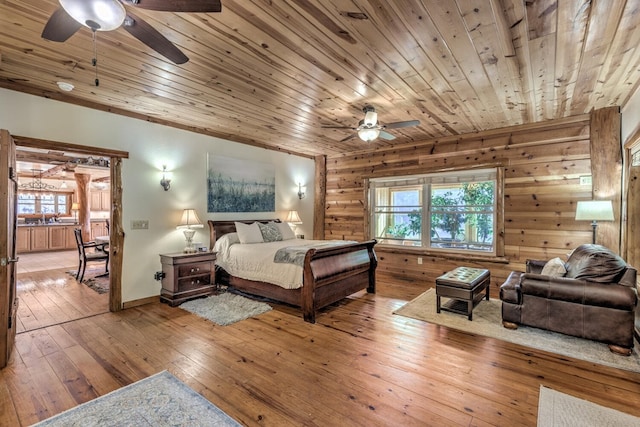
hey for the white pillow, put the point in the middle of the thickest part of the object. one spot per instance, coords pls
(249, 233)
(224, 243)
(554, 268)
(286, 231)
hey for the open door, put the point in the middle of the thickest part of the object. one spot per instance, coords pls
(8, 214)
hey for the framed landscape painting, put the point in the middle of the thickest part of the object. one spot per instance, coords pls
(239, 185)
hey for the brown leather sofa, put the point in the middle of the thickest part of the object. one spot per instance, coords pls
(596, 298)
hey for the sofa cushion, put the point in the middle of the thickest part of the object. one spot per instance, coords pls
(554, 268)
(595, 263)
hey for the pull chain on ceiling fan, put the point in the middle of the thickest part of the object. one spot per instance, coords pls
(369, 129)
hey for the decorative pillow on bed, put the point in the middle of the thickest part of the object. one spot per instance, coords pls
(270, 232)
(224, 243)
(249, 233)
(554, 268)
(285, 230)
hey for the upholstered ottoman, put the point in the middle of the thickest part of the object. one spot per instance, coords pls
(463, 285)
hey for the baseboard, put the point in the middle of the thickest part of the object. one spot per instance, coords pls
(139, 302)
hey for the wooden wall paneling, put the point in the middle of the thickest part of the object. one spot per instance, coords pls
(542, 164)
(633, 217)
(606, 166)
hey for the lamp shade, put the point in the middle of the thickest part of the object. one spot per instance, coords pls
(99, 15)
(594, 210)
(293, 218)
(74, 206)
(190, 219)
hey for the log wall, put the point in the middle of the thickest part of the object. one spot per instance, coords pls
(542, 166)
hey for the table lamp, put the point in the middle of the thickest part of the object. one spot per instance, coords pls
(75, 208)
(188, 224)
(594, 210)
(293, 219)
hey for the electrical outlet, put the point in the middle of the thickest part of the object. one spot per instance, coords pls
(139, 224)
(419, 260)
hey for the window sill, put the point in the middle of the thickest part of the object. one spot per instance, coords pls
(397, 249)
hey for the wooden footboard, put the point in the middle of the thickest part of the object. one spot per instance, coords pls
(330, 274)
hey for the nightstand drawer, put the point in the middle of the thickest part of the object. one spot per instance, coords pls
(193, 282)
(194, 269)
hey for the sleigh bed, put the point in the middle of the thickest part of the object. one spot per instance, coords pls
(329, 272)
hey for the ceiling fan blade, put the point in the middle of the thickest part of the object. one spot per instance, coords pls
(386, 135)
(349, 137)
(152, 38)
(338, 127)
(406, 124)
(60, 26)
(196, 6)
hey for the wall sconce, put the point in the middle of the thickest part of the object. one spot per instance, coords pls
(301, 191)
(164, 182)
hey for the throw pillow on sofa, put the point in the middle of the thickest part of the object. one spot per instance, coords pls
(554, 268)
(595, 263)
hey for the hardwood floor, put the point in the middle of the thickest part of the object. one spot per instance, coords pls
(49, 296)
(358, 365)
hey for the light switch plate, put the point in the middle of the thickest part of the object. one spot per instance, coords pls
(585, 180)
(139, 224)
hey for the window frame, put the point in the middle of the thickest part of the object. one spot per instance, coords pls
(498, 210)
(38, 200)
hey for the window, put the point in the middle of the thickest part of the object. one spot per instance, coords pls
(48, 203)
(453, 211)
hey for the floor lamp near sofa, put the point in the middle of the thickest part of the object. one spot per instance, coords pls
(594, 211)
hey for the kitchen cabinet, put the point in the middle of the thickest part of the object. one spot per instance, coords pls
(23, 239)
(39, 238)
(57, 237)
(100, 201)
(98, 228)
(70, 237)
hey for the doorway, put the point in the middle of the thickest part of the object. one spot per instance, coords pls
(47, 288)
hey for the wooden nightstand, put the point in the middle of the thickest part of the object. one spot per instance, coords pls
(187, 276)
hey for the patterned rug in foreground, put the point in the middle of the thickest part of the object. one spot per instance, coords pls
(487, 321)
(557, 409)
(159, 400)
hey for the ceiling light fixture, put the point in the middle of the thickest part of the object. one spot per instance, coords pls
(65, 86)
(99, 15)
(368, 134)
(37, 184)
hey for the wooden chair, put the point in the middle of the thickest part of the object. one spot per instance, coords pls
(86, 255)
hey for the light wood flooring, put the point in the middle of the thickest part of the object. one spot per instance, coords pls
(359, 365)
(49, 295)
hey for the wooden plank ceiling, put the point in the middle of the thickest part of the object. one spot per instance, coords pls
(270, 73)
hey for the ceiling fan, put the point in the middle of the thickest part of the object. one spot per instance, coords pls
(109, 15)
(369, 128)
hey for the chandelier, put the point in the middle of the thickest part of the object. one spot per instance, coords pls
(37, 184)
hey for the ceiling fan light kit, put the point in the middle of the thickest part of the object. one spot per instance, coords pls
(99, 15)
(369, 129)
(109, 15)
(368, 134)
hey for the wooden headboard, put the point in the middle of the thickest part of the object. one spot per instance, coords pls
(218, 229)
